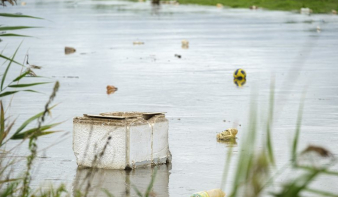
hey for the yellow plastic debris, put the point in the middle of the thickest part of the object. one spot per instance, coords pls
(228, 134)
(138, 43)
(209, 193)
(185, 44)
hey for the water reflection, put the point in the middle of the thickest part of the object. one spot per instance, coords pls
(119, 182)
(231, 142)
(239, 81)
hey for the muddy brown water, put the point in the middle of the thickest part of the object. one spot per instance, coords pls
(196, 90)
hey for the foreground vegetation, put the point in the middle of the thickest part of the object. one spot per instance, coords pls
(317, 6)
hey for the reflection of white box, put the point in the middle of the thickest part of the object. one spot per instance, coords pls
(119, 182)
(121, 140)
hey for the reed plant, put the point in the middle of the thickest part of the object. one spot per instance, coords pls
(256, 171)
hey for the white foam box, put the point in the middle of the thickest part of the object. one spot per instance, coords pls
(121, 140)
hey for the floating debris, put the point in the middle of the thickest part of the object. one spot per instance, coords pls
(23, 3)
(66, 77)
(318, 29)
(69, 50)
(253, 7)
(334, 12)
(12, 2)
(306, 11)
(219, 5)
(239, 74)
(31, 73)
(155, 2)
(35, 67)
(138, 43)
(209, 193)
(178, 56)
(227, 135)
(185, 44)
(319, 150)
(170, 2)
(111, 89)
(104, 131)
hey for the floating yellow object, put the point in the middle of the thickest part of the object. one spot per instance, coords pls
(185, 44)
(209, 193)
(228, 134)
(219, 5)
(138, 43)
(240, 74)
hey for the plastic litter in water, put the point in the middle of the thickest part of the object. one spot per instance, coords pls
(228, 134)
(69, 50)
(209, 193)
(111, 89)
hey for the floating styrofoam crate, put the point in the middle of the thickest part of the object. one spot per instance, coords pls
(121, 140)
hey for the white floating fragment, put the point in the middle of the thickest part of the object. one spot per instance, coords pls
(219, 5)
(138, 43)
(306, 11)
(121, 140)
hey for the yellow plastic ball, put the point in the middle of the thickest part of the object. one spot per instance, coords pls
(240, 74)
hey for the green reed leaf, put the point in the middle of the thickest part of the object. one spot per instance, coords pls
(27, 85)
(18, 16)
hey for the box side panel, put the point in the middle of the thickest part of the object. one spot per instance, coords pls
(160, 141)
(101, 146)
(140, 145)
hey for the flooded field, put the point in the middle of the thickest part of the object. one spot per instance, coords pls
(197, 90)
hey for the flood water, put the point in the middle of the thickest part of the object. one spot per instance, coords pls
(197, 90)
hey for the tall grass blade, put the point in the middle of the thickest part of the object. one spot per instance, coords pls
(9, 65)
(27, 85)
(298, 126)
(297, 186)
(31, 119)
(8, 93)
(151, 184)
(8, 180)
(10, 189)
(13, 92)
(6, 28)
(226, 168)
(35, 131)
(9, 59)
(107, 192)
(269, 124)
(2, 123)
(21, 76)
(18, 16)
(136, 190)
(322, 193)
(4, 135)
(324, 171)
(13, 35)
(247, 151)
